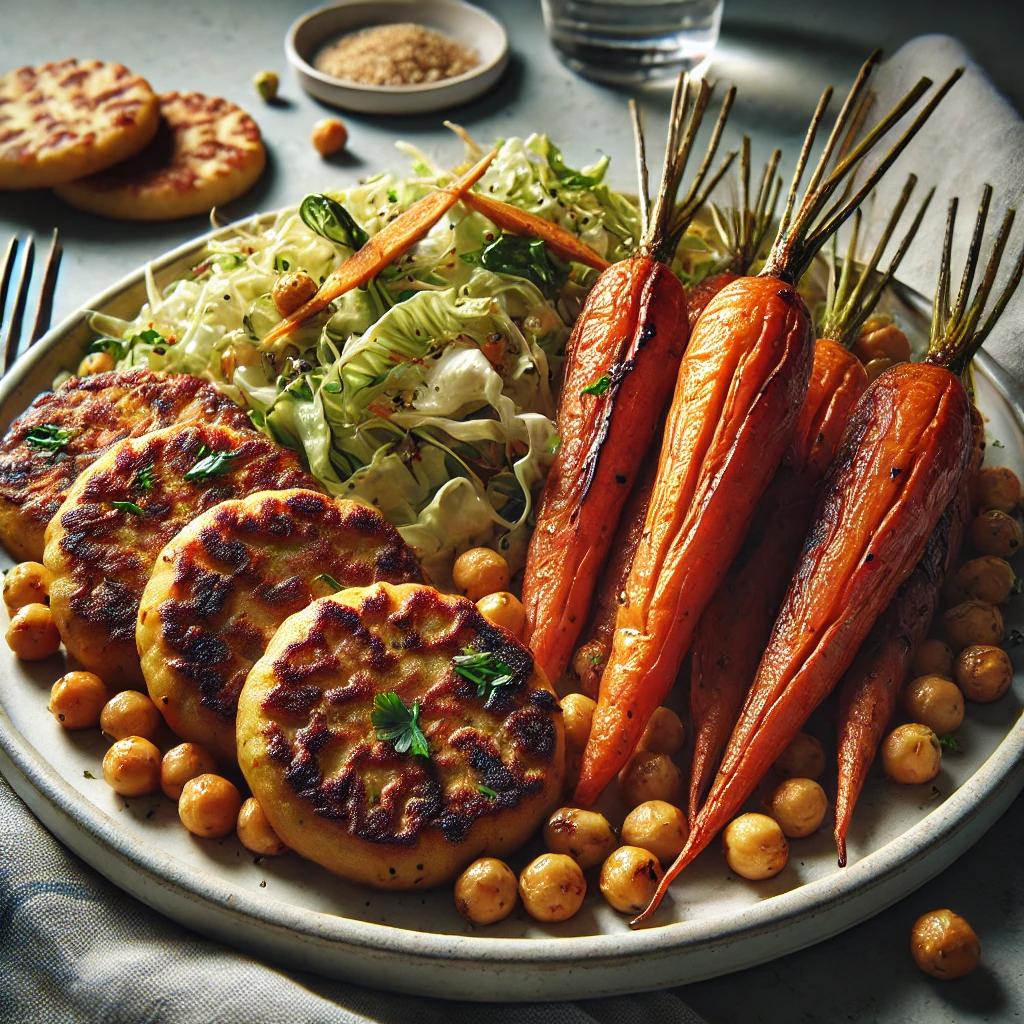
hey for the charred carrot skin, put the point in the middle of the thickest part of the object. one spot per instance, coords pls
(735, 627)
(562, 243)
(625, 349)
(593, 653)
(900, 463)
(870, 690)
(739, 389)
(383, 248)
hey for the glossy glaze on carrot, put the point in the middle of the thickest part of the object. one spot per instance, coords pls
(735, 627)
(899, 465)
(741, 383)
(631, 334)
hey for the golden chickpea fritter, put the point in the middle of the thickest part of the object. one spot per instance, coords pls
(373, 755)
(124, 510)
(64, 431)
(224, 584)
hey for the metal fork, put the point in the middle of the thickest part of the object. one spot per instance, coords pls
(44, 299)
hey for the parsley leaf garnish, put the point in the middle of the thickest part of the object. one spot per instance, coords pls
(996, 443)
(948, 741)
(519, 257)
(328, 578)
(484, 669)
(488, 792)
(128, 506)
(48, 436)
(144, 478)
(88, 774)
(392, 196)
(394, 721)
(210, 464)
(599, 387)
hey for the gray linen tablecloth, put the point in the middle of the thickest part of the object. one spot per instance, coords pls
(75, 948)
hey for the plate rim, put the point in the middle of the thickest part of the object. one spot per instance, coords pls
(1001, 771)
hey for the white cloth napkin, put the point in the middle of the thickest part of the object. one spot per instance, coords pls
(974, 138)
(75, 948)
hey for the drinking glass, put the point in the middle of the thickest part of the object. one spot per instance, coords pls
(632, 41)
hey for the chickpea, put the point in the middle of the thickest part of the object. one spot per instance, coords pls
(755, 847)
(577, 714)
(552, 887)
(984, 673)
(936, 702)
(486, 891)
(130, 713)
(629, 879)
(912, 754)
(209, 806)
(181, 763)
(996, 533)
(479, 572)
(77, 699)
(585, 836)
(329, 136)
(665, 733)
(26, 583)
(32, 634)
(988, 578)
(874, 368)
(972, 622)
(505, 610)
(658, 827)
(95, 362)
(650, 776)
(933, 658)
(131, 767)
(886, 341)
(291, 291)
(267, 83)
(944, 945)
(588, 663)
(256, 833)
(799, 806)
(998, 487)
(804, 758)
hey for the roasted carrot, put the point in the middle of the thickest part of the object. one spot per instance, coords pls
(383, 248)
(742, 232)
(620, 365)
(901, 462)
(740, 386)
(564, 244)
(870, 690)
(735, 627)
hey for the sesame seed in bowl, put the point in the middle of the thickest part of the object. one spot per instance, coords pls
(397, 56)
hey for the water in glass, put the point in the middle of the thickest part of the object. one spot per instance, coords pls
(633, 41)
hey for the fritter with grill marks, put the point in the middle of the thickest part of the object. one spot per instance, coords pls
(224, 584)
(122, 512)
(393, 735)
(66, 430)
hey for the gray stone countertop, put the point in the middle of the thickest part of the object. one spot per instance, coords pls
(781, 55)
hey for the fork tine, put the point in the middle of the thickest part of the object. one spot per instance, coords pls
(46, 290)
(18, 312)
(5, 274)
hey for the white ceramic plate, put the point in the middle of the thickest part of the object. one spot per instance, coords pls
(464, 23)
(295, 913)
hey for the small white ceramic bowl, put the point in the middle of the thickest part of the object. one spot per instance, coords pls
(462, 22)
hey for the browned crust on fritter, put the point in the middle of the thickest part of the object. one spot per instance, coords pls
(99, 411)
(221, 588)
(101, 556)
(307, 706)
(69, 118)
